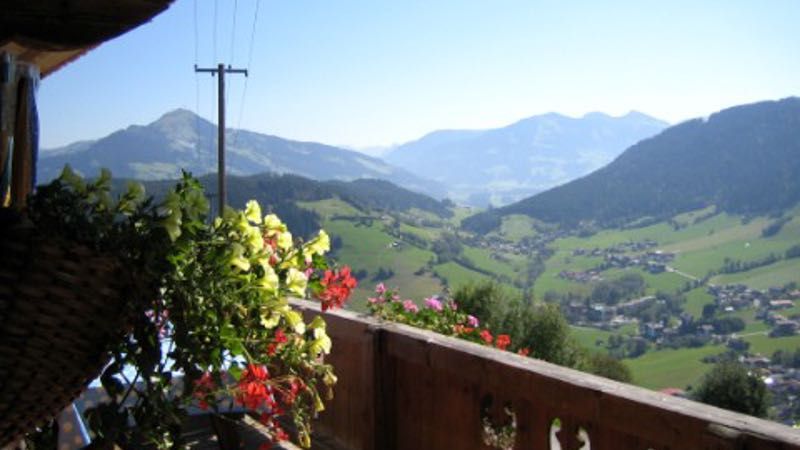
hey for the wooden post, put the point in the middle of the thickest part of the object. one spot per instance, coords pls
(220, 71)
(22, 162)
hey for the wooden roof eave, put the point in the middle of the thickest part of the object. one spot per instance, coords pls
(51, 33)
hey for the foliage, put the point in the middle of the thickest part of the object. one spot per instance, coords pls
(608, 366)
(440, 315)
(541, 328)
(447, 247)
(775, 227)
(787, 358)
(214, 296)
(793, 251)
(613, 291)
(729, 385)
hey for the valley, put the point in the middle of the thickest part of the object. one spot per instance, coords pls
(400, 245)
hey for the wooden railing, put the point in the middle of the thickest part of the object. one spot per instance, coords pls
(404, 388)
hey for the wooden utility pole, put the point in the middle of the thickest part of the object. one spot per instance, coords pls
(220, 71)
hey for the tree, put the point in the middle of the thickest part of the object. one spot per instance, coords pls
(729, 385)
(487, 300)
(709, 309)
(540, 327)
(607, 366)
(547, 334)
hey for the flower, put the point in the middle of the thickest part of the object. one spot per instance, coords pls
(319, 245)
(285, 240)
(380, 289)
(461, 329)
(296, 282)
(433, 303)
(486, 336)
(337, 284)
(502, 341)
(252, 211)
(410, 306)
(253, 391)
(524, 351)
(279, 339)
(473, 321)
(273, 225)
(203, 387)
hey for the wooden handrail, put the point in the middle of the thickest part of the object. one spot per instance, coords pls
(404, 388)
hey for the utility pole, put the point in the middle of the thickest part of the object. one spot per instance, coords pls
(220, 71)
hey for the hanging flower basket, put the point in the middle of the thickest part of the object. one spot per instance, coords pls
(60, 306)
(140, 293)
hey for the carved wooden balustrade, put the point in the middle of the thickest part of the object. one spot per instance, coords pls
(404, 388)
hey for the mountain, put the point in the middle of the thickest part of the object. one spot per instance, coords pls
(744, 160)
(182, 140)
(280, 193)
(502, 165)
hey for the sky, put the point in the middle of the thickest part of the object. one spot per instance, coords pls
(374, 73)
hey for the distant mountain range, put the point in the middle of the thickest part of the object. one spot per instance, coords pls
(182, 140)
(744, 159)
(502, 165)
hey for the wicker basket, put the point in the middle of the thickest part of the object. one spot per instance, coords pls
(60, 307)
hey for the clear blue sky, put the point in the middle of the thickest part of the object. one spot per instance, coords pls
(362, 73)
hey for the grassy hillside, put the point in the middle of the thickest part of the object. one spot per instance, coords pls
(402, 245)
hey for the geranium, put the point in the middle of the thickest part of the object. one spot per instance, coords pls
(253, 390)
(337, 284)
(450, 320)
(203, 388)
(433, 303)
(410, 306)
(502, 341)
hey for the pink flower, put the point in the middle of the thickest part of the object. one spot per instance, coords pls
(410, 306)
(473, 321)
(380, 289)
(374, 300)
(452, 305)
(433, 303)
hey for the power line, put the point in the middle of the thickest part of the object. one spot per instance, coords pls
(196, 80)
(233, 42)
(216, 4)
(233, 31)
(246, 79)
(195, 33)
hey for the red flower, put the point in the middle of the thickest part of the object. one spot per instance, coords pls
(203, 387)
(253, 390)
(502, 341)
(486, 336)
(524, 351)
(338, 285)
(461, 329)
(280, 434)
(280, 337)
(289, 395)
